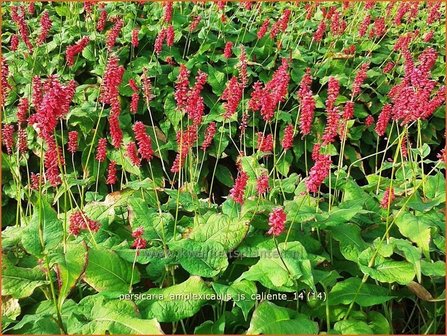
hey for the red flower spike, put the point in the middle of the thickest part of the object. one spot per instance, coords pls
(227, 50)
(388, 67)
(348, 111)
(388, 198)
(115, 131)
(359, 79)
(45, 26)
(22, 141)
(35, 181)
(79, 221)
(167, 16)
(209, 135)
(101, 151)
(243, 76)
(72, 141)
(114, 32)
(74, 50)
(158, 45)
(318, 35)
(132, 154)
(369, 121)
(262, 183)
(318, 172)
(182, 87)
(143, 140)
(111, 173)
(170, 35)
(287, 140)
(265, 143)
(102, 18)
(22, 110)
(195, 23)
(383, 120)
(14, 42)
(8, 137)
(134, 40)
(238, 190)
(263, 29)
(277, 219)
(232, 95)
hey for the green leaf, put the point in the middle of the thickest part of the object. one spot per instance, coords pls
(125, 163)
(222, 229)
(251, 166)
(411, 253)
(224, 176)
(211, 327)
(352, 290)
(269, 318)
(62, 10)
(352, 327)
(88, 53)
(70, 266)
(10, 310)
(118, 317)
(106, 271)
(44, 232)
(284, 163)
(205, 259)
(272, 271)
(435, 187)
(435, 269)
(37, 325)
(20, 282)
(176, 302)
(386, 270)
(155, 225)
(417, 229)
(241, 292)
(378, 323)
(216, 79)
(172, 113)
(351, 242)
(339, 215)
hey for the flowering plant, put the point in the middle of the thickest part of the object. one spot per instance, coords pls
(223, 167)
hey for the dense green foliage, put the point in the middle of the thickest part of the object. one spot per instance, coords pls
(348, 261)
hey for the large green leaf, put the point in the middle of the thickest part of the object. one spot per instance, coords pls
(37, 324)
(353, 327)
(415, 228)
(70, 265)
(279, 270)
(216, 79)
(269, 318)
(20, 282)
(352, 290)
(118, 317)
(155, 225)
(10, 310)
(44, 232)
(435, 269)
(222, 229)
(205, 259)
(241, 292)
(106, 271)
(384, 269)
(176, 302)
(350, 239)
(211, 327)
(339, 215)
(224, 176)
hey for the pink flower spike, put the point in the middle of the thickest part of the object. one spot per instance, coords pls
(277, 219)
